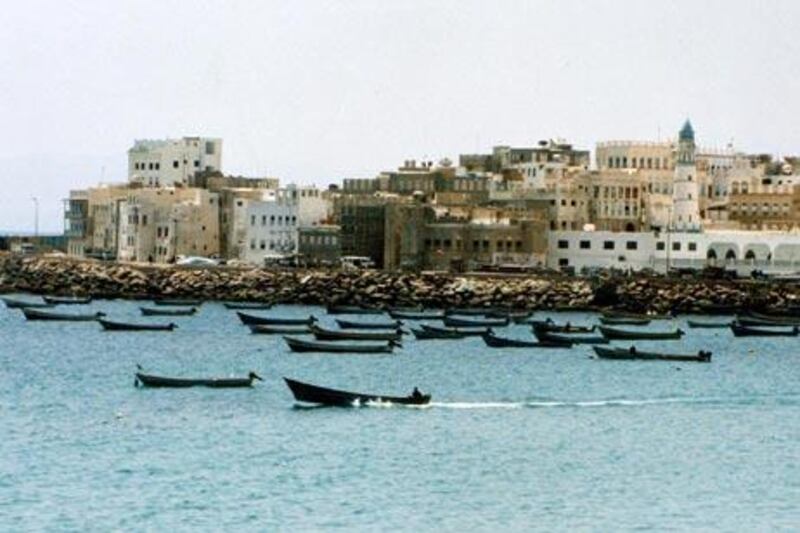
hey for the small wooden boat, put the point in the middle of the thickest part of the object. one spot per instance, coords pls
(178, 302)
(351, 310)
(624, 321)
(757, 319)
(247, 306)
(549, 336)
(493, 341)
(349, 324)
(645, 316)
(469, 311)
(694, 324)
(748, 331)
(35, 314)
(549, 325)
(261, 329)
(67, 300)
(614, 333)
(454, 322)
(248, 319)
(149, 311)
(12, 303)
(465, 332)
(633, 353)
(426, 334)
(424, 315)
(110, 325)
(148, 380)
(332, 335)
(298, 345)
(307, 393)
(516, 316)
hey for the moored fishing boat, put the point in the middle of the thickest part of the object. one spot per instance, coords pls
(632, 353)
(67, 300)
(332, 335)
(249, 319)
(549, 336)
(466, 332)
(35, 314)
(469, 311)
(454, 322)
(111, 325)
(624, 321)
(615, 333)
(645, 316)
(263, 329)
(515, 315)
(748, 331)
(349, 324)
(426, 334)
(307, 393)
(149, 380)
(247, 306)
(493, 341)
(178, 302)
(410, 315)
(352, 310)
(299, 345)
(762, 319)
(13, 303)
(549, 325)
(149, 311)
(695, 324)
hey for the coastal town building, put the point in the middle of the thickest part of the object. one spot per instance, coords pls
(319, 245)
(169, 162)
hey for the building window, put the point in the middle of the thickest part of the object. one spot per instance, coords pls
(692, 246)
(263, 220)
(252, 220)
(263, 245)
(660, 245)
(175, 164)
(676, 246)
(631, 245)
(196, 163)
(272, 220)
(252, 244)
(563, 245)
(608, 245)
(585, 245)
(563, 262)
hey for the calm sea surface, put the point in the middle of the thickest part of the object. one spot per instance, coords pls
(514, 440)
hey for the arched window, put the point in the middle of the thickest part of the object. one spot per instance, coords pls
(730, 255)
(750, 255)
(711, 255)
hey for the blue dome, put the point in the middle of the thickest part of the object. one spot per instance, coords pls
(687, 133)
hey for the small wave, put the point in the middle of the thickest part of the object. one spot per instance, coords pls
(543, 404)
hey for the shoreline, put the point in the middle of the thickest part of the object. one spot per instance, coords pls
(636, 293)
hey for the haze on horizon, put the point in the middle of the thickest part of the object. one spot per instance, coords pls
(315, 91)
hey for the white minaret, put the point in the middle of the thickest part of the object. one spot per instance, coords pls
(685, 209)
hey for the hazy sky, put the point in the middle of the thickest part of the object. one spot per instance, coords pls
(318, 91)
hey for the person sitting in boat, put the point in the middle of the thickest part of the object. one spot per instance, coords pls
(416, 394)
(632, 349)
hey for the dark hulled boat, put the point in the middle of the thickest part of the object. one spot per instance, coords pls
(262, 329)
(549, 325)
(641, 316)
(469, 311)
(465, 332)
(247, 306)
(248, 319)
(615, 333)
(695, 324)
(549, 336)
(426, 334)
(749, 331)
(352, 310)
(111, 325)
(67, 300)
(760, 319)
(516, 316)
(35, 314)
(349, 335)
(411, 315)
(149, 311)
(307, 393)
(148, 380)
(454, 322)
(493, 341)
(624, 321)
(349, 324)
(299, 345)
(632, 353)
(13, 303)
(178, 302)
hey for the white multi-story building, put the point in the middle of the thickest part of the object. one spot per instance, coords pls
(266, 227)
(170, 162)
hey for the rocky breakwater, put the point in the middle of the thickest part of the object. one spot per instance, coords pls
(379, 289)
